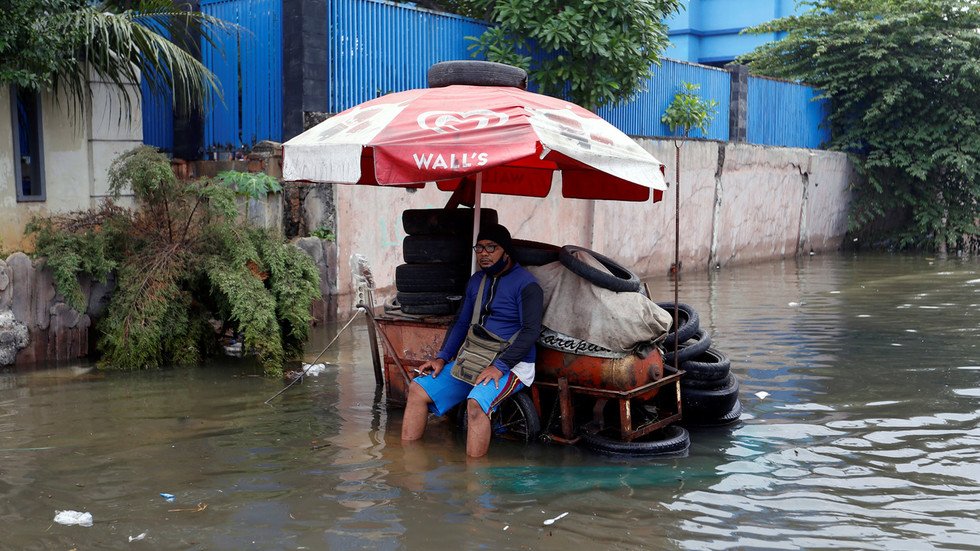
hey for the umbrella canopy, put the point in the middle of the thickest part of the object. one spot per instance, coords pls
(516, 141)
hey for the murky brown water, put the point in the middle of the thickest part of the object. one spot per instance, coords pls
(869, 438)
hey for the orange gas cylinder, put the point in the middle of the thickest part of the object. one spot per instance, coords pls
(620, 374)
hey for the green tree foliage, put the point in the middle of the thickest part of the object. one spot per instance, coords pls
(903, 80)
(52, 45)
(597, 52)
(185, 266)
(689, 111)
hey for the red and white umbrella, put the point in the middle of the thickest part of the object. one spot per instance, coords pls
(512, 139)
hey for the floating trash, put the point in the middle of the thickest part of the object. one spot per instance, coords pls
(314, 370)
(762, 394)
(73, 518)
(140, 537)
(551, 521)
(169, 497)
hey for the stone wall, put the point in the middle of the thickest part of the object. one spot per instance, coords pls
(35, 322)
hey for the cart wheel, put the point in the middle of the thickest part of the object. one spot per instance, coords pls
(515, 419)
(672, 440)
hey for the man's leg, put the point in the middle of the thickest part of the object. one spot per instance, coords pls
(431, 394)
(477, 429)
(482, 400)
(416, 412)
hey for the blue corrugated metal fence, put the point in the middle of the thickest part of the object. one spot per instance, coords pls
(376, 47)
(641, 117)
(379, 47)
(249, 67)
(158, 118)
(785, 114)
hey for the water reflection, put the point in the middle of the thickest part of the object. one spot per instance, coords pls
(869, 437)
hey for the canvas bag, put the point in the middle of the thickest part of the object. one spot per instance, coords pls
(480, 348)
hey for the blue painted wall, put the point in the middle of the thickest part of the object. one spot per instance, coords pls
(707, 31)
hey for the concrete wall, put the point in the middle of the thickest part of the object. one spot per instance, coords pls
(78, 148)
(739, 203)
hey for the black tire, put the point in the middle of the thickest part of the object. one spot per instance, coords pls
(533, 253)
(672, 440)
(428, 303)
(701, 403)
(476, 73)
(445, 221)
(431, 278)
(432, 249)
(621, 280)
(688, 320)
(727, 419)
(689, 349)
(515, 419)
(443, 309)
(712, 366)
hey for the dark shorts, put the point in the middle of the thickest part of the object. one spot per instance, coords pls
(446, 391)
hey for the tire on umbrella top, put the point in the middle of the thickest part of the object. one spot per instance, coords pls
(476, 73)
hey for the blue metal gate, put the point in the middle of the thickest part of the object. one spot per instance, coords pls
(249, 67)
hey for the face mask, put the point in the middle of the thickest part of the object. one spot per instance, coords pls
(497, 267)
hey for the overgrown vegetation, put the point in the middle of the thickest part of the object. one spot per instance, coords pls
(187, 270)
(903, 80)
(597, 52)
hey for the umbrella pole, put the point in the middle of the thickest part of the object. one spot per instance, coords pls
(677, 247)
(476, 216)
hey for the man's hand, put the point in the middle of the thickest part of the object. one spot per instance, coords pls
(491, 373)
(434, 366)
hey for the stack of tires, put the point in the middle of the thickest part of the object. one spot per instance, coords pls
(437, 253)
(709, 390)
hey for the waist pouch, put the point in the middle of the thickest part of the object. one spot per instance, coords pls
(480, 348)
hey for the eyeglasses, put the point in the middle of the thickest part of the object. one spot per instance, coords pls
(489, 248)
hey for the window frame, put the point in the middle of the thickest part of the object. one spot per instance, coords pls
(15, 130)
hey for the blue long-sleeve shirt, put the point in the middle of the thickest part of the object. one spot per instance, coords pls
(513, 303)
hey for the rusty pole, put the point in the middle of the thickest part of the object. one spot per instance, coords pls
(677, 248)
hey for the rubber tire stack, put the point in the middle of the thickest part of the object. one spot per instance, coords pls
(709, 390)
(437, 257)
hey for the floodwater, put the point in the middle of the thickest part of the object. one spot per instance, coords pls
(869, 438)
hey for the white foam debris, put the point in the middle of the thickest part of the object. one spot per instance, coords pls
(314, 370)
(762, 394)
(911, 330)
(73, 518)
(864, 315)
(137, 538)
(793, 304)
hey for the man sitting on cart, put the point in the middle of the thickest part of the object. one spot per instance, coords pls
(512, 308)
